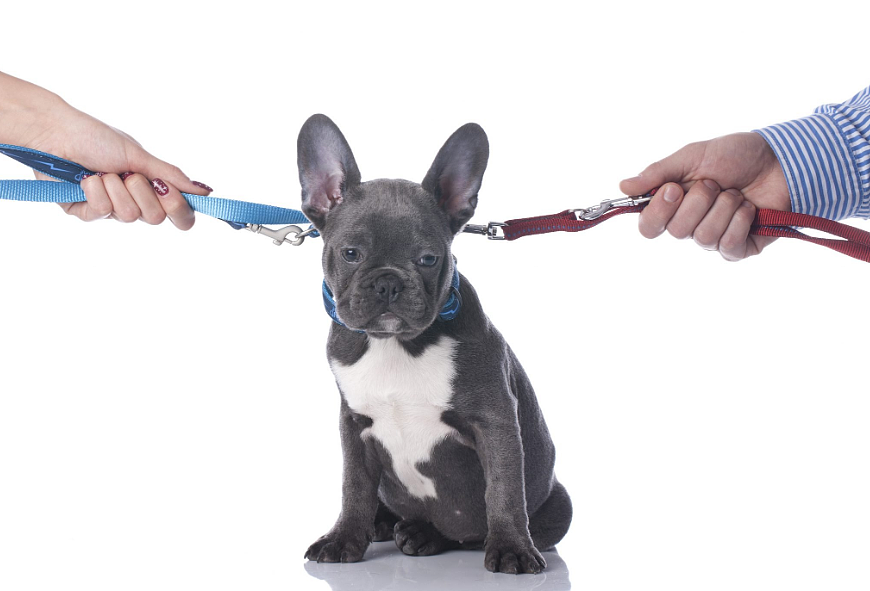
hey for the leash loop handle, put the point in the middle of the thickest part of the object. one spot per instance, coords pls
(238, 214)
(852, 241)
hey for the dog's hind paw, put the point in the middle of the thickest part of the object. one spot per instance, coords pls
(385, 522)
(415, 537)
(383, 531)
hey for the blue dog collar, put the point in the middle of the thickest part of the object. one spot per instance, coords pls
(448, 312)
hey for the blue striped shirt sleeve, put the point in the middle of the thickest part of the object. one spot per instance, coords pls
(826, 159)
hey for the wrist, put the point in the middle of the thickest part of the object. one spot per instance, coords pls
(26, 111)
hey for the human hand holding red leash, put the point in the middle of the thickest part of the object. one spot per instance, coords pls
(710, 191)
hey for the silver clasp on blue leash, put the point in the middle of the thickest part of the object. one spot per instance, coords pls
(596, 211)
(293, 235)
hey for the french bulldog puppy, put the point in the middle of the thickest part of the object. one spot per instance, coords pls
(444, 444)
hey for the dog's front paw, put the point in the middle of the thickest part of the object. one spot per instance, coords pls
(338, 547)
(513, 557)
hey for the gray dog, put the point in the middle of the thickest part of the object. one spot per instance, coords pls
(444, 444)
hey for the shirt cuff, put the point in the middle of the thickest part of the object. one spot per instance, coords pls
(819, 167)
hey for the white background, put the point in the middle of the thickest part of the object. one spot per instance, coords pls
(167, 416)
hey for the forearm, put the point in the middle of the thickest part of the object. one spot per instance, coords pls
(826, 159)
(26, 110)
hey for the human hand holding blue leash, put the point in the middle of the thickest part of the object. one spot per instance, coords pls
(134, 184)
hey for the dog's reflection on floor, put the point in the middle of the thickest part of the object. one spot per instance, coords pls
(384, 567)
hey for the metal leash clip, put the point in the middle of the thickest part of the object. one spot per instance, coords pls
(293, 235)
(596, 211)
(490, 230)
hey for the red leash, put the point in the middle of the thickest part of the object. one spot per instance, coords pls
(768, 222)
(854, 242)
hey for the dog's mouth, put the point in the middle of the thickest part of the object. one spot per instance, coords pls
(403, 314)
(387, 324)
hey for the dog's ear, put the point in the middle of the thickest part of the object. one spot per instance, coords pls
(327, 169)
(457, 173)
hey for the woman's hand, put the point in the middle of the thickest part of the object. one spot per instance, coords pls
(132, 184)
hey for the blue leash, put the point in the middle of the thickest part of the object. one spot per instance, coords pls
(237, 214)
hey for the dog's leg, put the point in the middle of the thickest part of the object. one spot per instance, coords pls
(354, 530)
(550, 522)
(509, 547)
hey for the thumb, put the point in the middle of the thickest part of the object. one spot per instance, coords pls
(154, 168)
(673, 169)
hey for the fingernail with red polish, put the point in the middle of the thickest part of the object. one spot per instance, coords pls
(101, 173)
(160, 187)
(126, 175)
(202, 186)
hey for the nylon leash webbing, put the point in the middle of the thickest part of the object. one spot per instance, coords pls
(852, 241)
(565, 221)
(237, 213)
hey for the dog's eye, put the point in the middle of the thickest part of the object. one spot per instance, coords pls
(427, 260)
(351, 255)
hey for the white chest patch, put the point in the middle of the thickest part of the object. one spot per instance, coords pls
(404, 396)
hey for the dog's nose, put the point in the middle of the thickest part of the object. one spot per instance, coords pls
(388, 287)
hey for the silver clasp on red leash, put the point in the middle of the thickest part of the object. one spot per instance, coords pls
(596, 211)
(490, 230)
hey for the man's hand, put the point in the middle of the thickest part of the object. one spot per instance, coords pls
(710, 191)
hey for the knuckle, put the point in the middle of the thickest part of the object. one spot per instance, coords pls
(137, 182)
(128, 213)
(679, 231)
(154, 218)
(708, 190)
(175, 172)
(746, 214)
(706, 239)
(655, 166)
(185, 223)
(647, 227)
(101, 208)
(730, 200)
(172, 205)
(731, 247)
